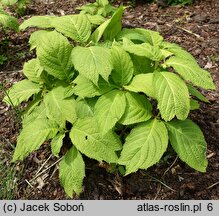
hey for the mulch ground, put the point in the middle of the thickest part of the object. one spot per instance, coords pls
(194, 27)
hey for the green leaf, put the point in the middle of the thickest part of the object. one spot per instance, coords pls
(21, 91)
(109, 109)
(122, 65)
(9, 2)
(146, 50)
(33, 136)
(72, 172)
(96, 19)
(56, 144)
(34, 39)
(189, 143)
(98, 33)
(131, 34)
(152, 37)
(85, 88)
(192, 72)
(92, 62)
(172, 96)
(37, 21)
(38, 113)
(142, 35)
(194, 92)
(110, 28)
(178, 52)
(144, 146)
(102, 2)
(77, 27)
(32, 104)
(83, 109)
(138, 109)
(59, 108)
(142, 64)
(142, 83)
(87, 138)
(32, 70)
(89, 8)
(54, 55)
(194, 105)
(8, 21)
(115, 25)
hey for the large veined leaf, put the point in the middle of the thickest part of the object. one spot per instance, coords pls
(92, 62)
(138, 109)
(58, 107)
(109, 28)
(77, 27)
(85, 87)
(98, 33)
(21, 91)
(83, 109)
(54, 55)
(33, 104)
(39, 112)
(56, 143)
(109, 109)
(87, 138)
(131, 34)
(189, 143)
(143, 35)
(37, 21)
(191, 71)
(122, 65)
(178, 51)
(142, 83)
(144, 146)
(95, 19)
(34, 39)
(33, 136)
(8, 21)
(72, 172)
(194, 92)
(32, 70)
(115, 25)
(151, 37)
(172, 96)
(146, 50)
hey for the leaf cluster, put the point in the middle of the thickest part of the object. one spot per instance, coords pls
(93, 82)
(19, 5)
(7, 21)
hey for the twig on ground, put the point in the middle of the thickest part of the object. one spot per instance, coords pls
(157, 180)
(43, 164)
(188, 31)
(39, 174)
(211, 186)
(167, 170)
(29, 183)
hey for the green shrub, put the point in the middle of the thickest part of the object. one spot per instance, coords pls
(120, 95)
(8, 21)
(19, 5)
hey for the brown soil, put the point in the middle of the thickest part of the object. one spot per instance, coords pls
(194, 27)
